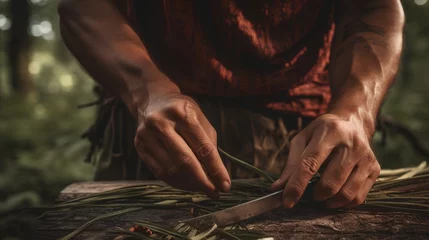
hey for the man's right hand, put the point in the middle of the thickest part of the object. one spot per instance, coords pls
(174, 138)
(179, 145)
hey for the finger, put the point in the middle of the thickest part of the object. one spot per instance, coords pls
(206, 152)
(158, 170)
(209, 129)
(361, 196)
(309, 162)
(350, 189)
(340, 166)
(366, 188)
(184, 160)
(157, 165)
(151, 144)
(153, 165)
(296, 149)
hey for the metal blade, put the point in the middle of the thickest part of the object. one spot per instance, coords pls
(238, 213)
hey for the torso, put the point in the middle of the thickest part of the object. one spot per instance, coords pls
(272, 53)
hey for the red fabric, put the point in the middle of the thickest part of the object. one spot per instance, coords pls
(273, 52)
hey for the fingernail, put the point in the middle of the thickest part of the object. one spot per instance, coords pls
(226, 185)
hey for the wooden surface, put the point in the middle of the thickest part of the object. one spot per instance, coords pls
(281, 224)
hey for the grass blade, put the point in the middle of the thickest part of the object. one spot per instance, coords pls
(248, 166)
(109, 215)
(204, 234)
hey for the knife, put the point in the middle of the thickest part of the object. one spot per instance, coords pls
(243, 211)
(238, 213)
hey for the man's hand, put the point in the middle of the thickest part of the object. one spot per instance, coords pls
(179, 145)
(342, 147)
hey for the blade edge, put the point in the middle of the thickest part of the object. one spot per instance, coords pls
(238, 213)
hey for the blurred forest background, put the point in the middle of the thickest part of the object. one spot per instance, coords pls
(41, 85)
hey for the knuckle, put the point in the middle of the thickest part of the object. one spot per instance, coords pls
(367, 158)
(360, 141)
(213, 133)
(159, 124)
(336, 127)
(176, 110)
(205, 150)
(184, 160)
(141, 130)
(216, 174)
(359, 146)
(297, 188)
(171, 172)
(185, 111)
(159, 173)
(334, 124)
(310, 164)
(153, 119)
(347, 194)
(328, 187)
(163, 129)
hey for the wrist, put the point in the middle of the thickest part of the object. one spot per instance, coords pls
(359, 116)
(148, 84)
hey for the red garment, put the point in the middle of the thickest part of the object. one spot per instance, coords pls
(271, 53)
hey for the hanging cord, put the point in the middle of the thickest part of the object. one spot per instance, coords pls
(102, 133)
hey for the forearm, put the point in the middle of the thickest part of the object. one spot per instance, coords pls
(110, 50)
(365, 57)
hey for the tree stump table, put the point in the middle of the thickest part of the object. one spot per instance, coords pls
(280, 224)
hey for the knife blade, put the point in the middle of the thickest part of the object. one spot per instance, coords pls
(238, 213)
(245, 210)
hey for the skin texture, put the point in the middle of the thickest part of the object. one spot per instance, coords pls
(174, 138)
(364, 60)
(177, 142)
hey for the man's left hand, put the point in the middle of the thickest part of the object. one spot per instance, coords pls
(343, 148)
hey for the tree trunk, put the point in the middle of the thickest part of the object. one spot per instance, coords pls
(19, 46)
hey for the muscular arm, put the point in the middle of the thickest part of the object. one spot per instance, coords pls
(365, 57)
(364, 61)
(104, 43)
(173, 138)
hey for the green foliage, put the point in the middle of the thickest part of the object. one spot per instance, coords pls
(40, 144)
